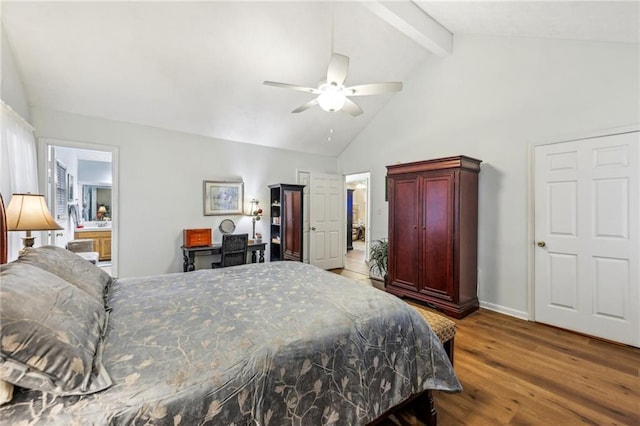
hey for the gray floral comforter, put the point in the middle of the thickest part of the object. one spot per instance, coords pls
(268, 344)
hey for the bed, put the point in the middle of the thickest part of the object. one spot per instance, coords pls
(269, 344)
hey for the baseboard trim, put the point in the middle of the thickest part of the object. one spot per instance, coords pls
(504, 310)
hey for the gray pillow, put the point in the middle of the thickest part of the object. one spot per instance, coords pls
(70, 267)
(50, 333)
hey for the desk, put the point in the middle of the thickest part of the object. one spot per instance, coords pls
(189, 253)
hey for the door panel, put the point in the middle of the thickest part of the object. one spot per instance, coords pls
(611, 283)
(610, 208)
(563, 217)
(563, 280)
(437, 231)
(587, 220)
(403, 267)
(292, 241)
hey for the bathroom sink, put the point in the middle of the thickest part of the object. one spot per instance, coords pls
(94, 226)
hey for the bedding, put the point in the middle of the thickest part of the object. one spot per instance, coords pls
(273, 344)
(70, 267)
(51, 333)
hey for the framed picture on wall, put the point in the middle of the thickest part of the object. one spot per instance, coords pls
(70, 185)
(223, 198)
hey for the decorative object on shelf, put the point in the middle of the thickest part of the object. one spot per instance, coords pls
(227, 226)
(256, 214)
(29, 212)
(223, 197)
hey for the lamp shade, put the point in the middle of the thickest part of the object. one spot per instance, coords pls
(29, 212)
(102, 209)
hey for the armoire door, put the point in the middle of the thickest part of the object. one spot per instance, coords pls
(404, 214)
(437, 235)
(293, 225)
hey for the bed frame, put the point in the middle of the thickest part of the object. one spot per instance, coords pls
(3, 233)
(424, 407)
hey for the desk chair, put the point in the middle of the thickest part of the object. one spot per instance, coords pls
(234, 250)
(84, 249)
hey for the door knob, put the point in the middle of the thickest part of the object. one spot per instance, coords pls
(313, 228)
(541, 244)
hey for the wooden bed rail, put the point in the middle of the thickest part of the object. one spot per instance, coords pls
(4, 243)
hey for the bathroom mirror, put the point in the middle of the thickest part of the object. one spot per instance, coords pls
(227, 226)
(94, 196)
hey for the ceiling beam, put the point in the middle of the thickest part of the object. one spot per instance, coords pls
(412, 21)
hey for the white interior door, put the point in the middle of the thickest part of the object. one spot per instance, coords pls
(326, 217)
(587, 220)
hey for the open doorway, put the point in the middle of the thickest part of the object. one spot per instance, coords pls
(358, 219)
(82, 187)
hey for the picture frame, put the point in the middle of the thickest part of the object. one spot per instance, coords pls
(223, 197)
(70, 185)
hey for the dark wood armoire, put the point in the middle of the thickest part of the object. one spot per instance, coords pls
(286, 222)
(433, 233)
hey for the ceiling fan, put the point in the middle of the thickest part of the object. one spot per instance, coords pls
(332, 93)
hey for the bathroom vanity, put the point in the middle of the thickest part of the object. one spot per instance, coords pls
(101, 240)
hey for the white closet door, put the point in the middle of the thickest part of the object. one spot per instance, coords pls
(587, 220)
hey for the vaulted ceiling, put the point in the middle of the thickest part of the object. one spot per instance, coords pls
(198, 67)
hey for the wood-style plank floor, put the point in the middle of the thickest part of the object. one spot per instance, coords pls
(517, 372)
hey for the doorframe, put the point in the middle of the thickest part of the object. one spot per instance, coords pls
(367, 239)
(43, 149)
(300, 174)
(531, 196)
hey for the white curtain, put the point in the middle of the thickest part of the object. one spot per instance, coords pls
(19, 171)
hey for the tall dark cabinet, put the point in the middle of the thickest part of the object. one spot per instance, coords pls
(433, 232)
(286, 222)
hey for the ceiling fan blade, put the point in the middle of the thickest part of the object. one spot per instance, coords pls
(292, 86)
(373, 89)
(351, 107)
(337, 70)
(305, 106)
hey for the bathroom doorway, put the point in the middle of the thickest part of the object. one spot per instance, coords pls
(82, 190)
(358, 219)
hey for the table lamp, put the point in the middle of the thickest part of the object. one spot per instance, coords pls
(256, 213)
(102, 210)
(29, 212)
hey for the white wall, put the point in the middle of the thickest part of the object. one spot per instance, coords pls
(161, 175)
(490, 100)
(13, 93)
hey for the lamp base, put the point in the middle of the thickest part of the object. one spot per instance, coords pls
(28, 243)
(253, 220)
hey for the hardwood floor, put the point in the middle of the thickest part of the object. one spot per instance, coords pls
(355, 259)
(517, 372)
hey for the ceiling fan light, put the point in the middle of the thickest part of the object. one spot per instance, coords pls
(331, 101)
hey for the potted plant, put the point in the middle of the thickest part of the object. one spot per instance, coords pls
(378, 258)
